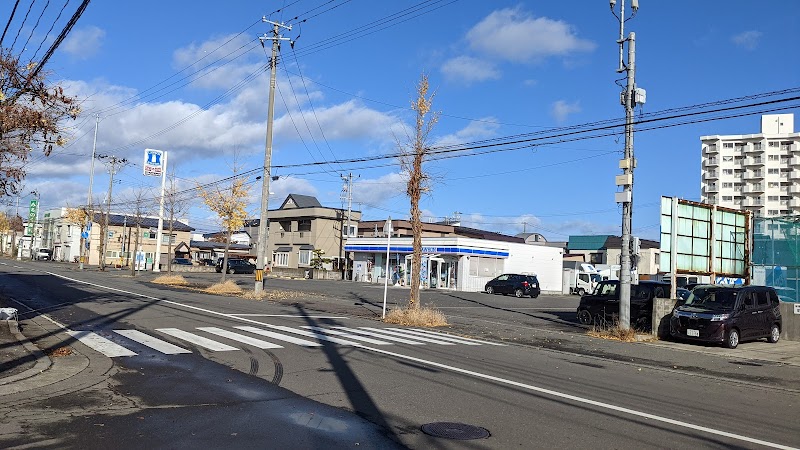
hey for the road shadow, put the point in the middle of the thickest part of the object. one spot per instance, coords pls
(567, 319)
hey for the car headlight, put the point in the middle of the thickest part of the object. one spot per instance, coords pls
(719, 317)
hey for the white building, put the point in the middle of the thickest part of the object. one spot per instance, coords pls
(755, 172)
(456, 262)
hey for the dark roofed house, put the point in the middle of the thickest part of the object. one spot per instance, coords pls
(605, 249)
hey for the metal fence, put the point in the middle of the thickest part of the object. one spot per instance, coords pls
(776, 256)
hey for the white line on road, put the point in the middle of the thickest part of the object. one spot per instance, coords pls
(382, 336)
(258, 343)
(407, 336)
(280, 337)
(541, 390)
(100, 344)
(458, 338)
(348, 335)
(416, 334)
(294, 316)
(197, 340)
(154, 343)
(313, 334)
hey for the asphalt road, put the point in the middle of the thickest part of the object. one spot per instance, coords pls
(530, 375)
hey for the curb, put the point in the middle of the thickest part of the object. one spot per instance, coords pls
(43, 362)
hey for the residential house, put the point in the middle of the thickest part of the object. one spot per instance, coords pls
(300, 226)
(603, 251)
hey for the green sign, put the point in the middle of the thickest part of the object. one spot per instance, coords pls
(32, 213)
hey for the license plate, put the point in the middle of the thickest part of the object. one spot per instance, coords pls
(695, 333)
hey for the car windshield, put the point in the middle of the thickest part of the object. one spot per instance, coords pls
(716, 299)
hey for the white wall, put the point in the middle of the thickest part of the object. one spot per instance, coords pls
(545, 262)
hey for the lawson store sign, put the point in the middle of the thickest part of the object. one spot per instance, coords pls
(427, 249)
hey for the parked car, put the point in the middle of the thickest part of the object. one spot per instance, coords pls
(728, 315)
(182, 262)
(206, 262)
(682, 294)
(43, 254)
(517, 284)
(236, 266)
(602, 305)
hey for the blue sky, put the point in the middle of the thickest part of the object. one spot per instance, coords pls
(178, 76)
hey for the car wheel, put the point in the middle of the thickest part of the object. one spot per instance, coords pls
(519, 293)
(774, 334)
(584, 317)
(732, 338)
(219, 270)
(534, 295)
(489, 290)
(581, 292)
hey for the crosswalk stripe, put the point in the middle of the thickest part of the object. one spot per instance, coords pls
(154, 343)
(348, 335)
(461, 338)
(197, 340)
(100, 344)
(382, 336)
(258, 343)
(437, 336)
(313, 334)
(280, 337)
(419, 338)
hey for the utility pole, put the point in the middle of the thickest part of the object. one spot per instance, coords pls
(90, 211)
(629, 99)
(347, 194)
(115, 164)
(263, 227)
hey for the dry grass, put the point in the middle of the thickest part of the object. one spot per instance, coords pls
(614, 333)
(171, 280)
(60, 351)
(423, 316)
(227, 288)
(271, 295)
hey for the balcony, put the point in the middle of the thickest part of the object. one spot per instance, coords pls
(753, 175)
(794, 202)
(710, 188)
(754, 161)
(792, 162)
(755, 188)
(791, 148)
(750, 149)
(710, 176)
(794, 175)
(710, 162)
(709, 150)
(794, 189)
(753, 203)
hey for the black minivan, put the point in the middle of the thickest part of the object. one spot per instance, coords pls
(602, 305)
(517, 284)
(728, 315)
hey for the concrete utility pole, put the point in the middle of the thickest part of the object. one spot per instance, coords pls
(629, 98)
(115, 164)
(263, 227)
(347, 194)
(84, 250)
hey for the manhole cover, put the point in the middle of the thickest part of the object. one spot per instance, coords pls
(453, 430)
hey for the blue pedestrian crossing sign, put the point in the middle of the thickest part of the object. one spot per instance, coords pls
(153, 162)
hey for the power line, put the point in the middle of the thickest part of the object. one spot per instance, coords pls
(50, 30)
(10, 18)
(23, 24)
(60, 38)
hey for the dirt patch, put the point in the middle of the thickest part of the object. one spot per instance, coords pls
(60, 351)
(227, 288)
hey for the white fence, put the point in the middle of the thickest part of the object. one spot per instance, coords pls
(475, 284)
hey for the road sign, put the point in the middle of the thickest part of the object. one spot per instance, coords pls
(153, 162)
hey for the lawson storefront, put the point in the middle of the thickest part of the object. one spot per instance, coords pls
(457, 263)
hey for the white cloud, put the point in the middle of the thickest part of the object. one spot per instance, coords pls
(561, 109)
(221, 48)
(467, 69)
(381, 190)
(516, 35)
(83, 43)
(349, 120)
(284, 186)
(748, 40)
(476, 129)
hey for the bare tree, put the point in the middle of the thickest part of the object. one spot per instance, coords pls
(414, 154)
(176, 205)
(31, 116)
(228, 201)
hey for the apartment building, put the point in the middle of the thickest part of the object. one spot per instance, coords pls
(755, 172)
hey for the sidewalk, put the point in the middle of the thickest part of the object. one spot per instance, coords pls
(19, 358)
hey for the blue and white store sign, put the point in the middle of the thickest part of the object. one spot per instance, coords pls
(153, 162)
